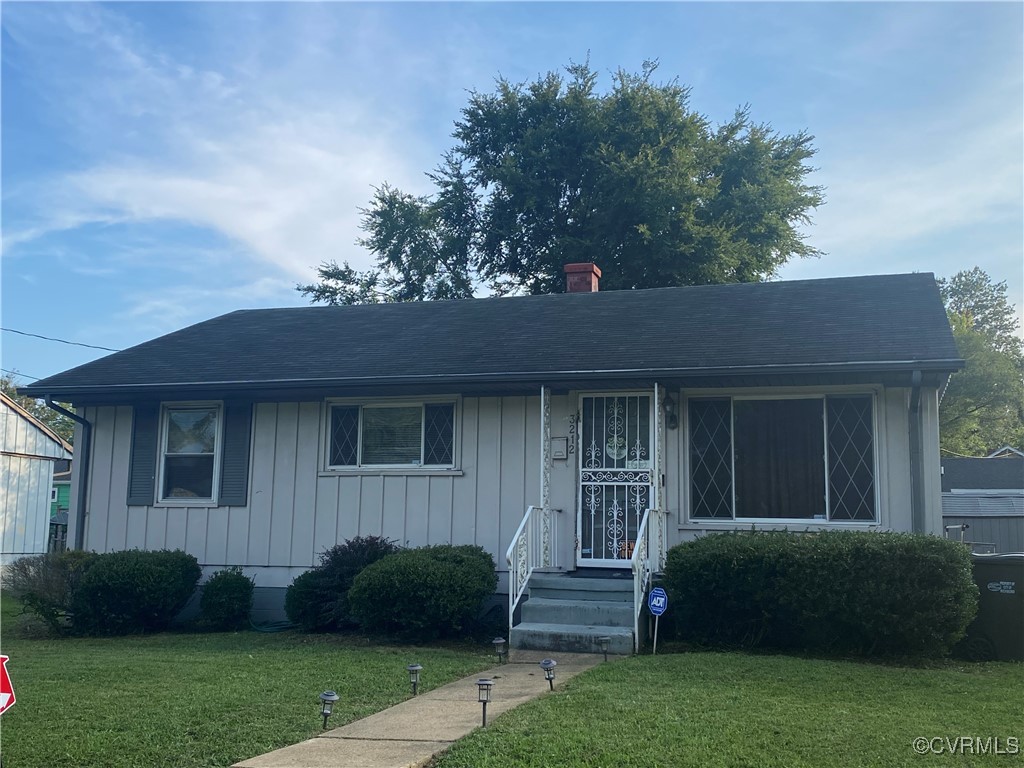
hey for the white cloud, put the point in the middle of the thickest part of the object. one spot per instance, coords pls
(911, 185)
(908, 192)
(170, 308)
(289, 192)
(253, 152)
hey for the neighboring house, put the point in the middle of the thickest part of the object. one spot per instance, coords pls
(28, 451)
(983, 502)
(542, 427)
(60, 502)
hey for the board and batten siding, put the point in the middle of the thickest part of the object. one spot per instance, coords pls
(296, 509)
(27, 456)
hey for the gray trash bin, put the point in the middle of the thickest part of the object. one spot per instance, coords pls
(998, 631)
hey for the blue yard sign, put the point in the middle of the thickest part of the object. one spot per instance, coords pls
(657, 601)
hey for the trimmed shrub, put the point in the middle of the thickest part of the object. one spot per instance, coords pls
(45, 584)
(227, 600)
(134, 591)
(317, 600)
(423, 594)
(305, 601)
(852, 592)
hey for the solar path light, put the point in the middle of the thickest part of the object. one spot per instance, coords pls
(548, 665)
(499, 648)
(327, 699)
(414, 676)
(603, 643)
(483, 694)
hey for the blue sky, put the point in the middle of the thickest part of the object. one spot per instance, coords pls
(166, 163)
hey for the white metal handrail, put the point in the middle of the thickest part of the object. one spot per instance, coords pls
(525, 554)
(648, 558)
(641, 565)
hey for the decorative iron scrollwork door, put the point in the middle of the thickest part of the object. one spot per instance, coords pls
(616, 475)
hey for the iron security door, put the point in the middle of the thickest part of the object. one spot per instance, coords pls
(616, 476)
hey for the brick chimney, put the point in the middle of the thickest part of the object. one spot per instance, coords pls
(581, 278)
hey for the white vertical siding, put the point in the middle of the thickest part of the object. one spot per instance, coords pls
(26, 477)
(261, 485)
(894, 461)
(304, 504)
(564, 485)
(296, 510)
(24, 506)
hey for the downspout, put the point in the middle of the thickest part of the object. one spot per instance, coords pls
(81, 462)
(916, 457)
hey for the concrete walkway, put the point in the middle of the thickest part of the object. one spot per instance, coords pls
(410, 733)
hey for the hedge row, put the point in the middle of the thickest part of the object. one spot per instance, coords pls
(413, 594)
(317, 600)
(119, 593)
(863, 593)
(423, 594)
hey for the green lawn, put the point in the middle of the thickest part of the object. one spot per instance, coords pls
(716, 709)
(196, 699)
(213, 699)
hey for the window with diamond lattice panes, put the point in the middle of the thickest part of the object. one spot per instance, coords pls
(400, 435)
(797, 458)
(438, 434)
(851, 478)
(711, 458)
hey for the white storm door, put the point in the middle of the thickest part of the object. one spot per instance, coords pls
(616, 433)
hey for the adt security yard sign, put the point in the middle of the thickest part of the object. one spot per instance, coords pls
(657, 602)
(6, 689)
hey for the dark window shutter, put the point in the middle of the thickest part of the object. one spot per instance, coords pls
(234, 468)
(142, 469)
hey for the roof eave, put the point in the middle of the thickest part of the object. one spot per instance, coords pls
(943, 366)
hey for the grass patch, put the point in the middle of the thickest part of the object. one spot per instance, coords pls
(730, 709)
(180, 699)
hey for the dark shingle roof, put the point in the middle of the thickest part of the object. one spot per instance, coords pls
(877, 323)
(997, 474)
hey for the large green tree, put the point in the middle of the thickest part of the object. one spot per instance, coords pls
(554, 172)
(983, 406)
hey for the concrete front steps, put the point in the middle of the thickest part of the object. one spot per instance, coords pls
(567, 613)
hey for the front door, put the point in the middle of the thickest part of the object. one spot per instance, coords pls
(616, 435)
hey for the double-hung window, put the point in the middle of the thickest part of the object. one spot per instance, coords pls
(391, 435)
(190, 445)
(798, 458)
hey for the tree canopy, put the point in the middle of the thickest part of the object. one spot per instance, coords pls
(983, 406)
(554, 172)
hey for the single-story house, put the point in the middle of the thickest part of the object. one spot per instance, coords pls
(983, 501)
(28, 451)
(576, 434)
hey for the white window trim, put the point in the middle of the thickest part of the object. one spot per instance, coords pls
(391, 469)
(218, 447)
(689, 522)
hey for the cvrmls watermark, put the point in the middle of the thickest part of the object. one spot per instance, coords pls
(967, 745)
